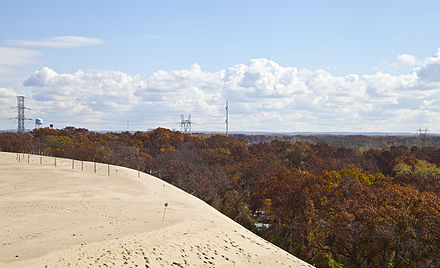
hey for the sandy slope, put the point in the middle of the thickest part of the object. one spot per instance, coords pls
(63, 217)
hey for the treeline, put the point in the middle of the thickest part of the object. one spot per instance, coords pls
(349, 141)
(331, 206)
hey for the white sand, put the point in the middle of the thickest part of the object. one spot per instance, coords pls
(63, 217)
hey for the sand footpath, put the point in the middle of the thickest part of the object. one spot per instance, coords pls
(70, 216)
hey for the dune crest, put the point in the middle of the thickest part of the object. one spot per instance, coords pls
(70, 216)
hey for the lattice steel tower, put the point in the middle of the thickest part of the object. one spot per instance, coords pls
(185, 124)
(20, 114)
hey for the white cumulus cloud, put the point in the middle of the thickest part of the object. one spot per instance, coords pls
(429, 72)
(263, 96)
(404, 62)
(82, 96)
(406, 59)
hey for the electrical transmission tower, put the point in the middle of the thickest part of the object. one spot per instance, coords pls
(185, 124)
(20, 114)
(227, 118)
(423, 133)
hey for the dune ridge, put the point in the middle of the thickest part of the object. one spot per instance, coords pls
(70, 216)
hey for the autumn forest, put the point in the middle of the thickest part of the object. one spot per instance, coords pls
(333, 201)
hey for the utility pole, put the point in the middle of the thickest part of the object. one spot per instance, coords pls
(128, 124)
(20, 115)
(227, 118)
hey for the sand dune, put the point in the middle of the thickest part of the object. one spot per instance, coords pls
(63, 217)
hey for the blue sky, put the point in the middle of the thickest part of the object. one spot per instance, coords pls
(283, 65)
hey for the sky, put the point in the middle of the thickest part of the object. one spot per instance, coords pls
(283, 66)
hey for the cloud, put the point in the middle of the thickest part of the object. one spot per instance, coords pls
(263, 96)
(7, 100)
(429, 72)
(58, 42)
(84, 96)
(406, 59)
(12, 58)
